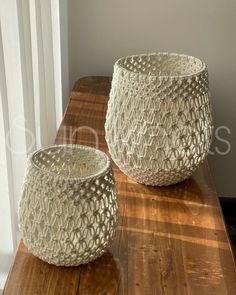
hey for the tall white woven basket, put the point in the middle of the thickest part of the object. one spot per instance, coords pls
(159, 123)
(68, 209)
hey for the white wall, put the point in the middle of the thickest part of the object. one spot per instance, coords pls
(60, 35)
(6, 210)
(101, 31)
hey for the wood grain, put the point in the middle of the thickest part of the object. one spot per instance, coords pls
(170, 240)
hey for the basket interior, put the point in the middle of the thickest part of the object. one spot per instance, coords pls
(71, 162)
(162, 64)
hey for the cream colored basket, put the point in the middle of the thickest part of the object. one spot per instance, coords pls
(68, 209)
(159, 124)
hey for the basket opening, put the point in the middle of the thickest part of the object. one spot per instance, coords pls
(162, 64)
(71, 161)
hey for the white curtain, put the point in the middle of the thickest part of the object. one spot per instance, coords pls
(31, 89)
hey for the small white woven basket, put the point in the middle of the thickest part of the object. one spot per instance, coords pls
(159, 124)
(68, 210)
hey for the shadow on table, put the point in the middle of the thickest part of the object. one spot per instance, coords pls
(101, 276)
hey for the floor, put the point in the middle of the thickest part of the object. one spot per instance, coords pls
(228, 206)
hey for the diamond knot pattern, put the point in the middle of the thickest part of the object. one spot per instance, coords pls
(68, 210)
(159, 112)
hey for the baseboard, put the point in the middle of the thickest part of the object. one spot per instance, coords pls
(227, 197)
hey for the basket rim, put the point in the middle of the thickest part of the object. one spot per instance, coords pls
(202, 69)
(101, 172)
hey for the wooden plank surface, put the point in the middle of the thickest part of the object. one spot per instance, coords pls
(170, 240)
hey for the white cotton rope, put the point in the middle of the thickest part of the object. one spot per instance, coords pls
(159, 123)
(68, 211)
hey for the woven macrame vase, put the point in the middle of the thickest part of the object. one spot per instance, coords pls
(159, 124)
(68, 209)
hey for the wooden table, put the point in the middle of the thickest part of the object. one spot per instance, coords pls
(171, 240)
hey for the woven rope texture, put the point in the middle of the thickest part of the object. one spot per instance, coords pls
(159, 124)
(68, 211)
